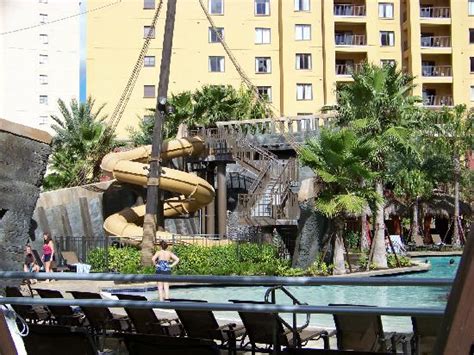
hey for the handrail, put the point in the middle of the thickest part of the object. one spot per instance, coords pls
(349, 10)
(435, 41)
(234, 280)
(271, 292)
(435, 12)
(254, 308)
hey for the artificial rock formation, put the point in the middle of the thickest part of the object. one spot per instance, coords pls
(24, 154)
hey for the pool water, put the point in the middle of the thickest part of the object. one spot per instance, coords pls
(383, 296)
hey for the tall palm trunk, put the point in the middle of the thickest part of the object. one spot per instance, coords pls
(149, 225)
(380, 254)
(338, 257)
(457, 174)
(415, 227)
(364, 238)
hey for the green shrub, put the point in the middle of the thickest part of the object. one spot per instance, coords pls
(124, 260)
(392, 262)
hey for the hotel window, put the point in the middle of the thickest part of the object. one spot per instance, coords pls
(43, 59)
(303, 61)
(385, 10)
(262, 35)
(216, 64)
(265, 92)
(302, 5)
(44, 38)
(303, 32)
(148, 32)
(149, 61)
(471, 8)
(262, 7)
(263, 65)
(387, 38)
(149, 4)
(43, 79)
(471, 35)
(43, 99)
(148, 91)
(304, 91)
(43, 18)
(390, 62)
(216, 7)
(213, 38)
(471, 59)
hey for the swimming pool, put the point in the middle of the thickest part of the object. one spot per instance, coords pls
(384, 296)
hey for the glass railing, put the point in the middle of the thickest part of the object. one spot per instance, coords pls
(350, 40)
(435, 12)
(436, 70)
(349, 10)
(436, 41)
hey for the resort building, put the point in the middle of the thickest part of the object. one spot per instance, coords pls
(39, 59)
(295, 51)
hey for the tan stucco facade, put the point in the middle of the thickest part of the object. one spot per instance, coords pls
(341, 35)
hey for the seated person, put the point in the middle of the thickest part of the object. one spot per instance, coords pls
(30, 264)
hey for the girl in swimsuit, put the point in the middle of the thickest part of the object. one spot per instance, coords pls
(164, 260)
(48, 252)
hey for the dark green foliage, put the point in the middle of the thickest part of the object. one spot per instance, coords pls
(81, 141)
(124, 260)
(204, 107)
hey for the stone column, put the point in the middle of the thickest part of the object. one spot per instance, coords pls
(211, 207)
(221, 200)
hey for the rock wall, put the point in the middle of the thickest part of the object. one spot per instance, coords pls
(24, 154)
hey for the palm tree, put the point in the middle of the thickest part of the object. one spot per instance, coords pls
(81, 140)
(452, 130)
(340, 159)
(379, 107)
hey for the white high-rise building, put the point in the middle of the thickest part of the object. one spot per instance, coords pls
(39, 60)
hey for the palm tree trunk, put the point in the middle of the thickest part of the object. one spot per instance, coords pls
(149, 227)
(364, 243)
(457, 173)
(415, 225)
(338, 258)
(380, 254)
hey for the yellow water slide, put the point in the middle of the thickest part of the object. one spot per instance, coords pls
(131, 167)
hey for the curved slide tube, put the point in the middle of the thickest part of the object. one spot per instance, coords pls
(131, 167)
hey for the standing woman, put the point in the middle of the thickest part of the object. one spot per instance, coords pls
(48, 252)
(164, 260)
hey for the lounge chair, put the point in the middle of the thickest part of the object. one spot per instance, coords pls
(31, 314)
(101, 319)
(58, 340)
(438, 243)
(63, 315)
(203, 324)
(141, 344)
(425, 332)
(260, 327)
(417, 243)
(364, 332)
(145, 320)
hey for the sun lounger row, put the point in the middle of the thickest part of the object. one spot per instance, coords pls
(141, 329)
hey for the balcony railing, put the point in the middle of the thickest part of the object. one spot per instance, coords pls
(436, 70)
(349, 10)
(347, 69)
(436, 41)
(434, 100)
(435, 12)
(351, 40)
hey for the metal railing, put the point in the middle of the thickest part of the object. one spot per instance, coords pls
(350, 40)
(347, 69)
(434, 100)
(349, 10)
(436, 41)
(436, 70)
(435, 12)
(82, 246)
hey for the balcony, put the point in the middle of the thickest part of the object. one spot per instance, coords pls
(347, 69)
(436, 70)
(437, 101)
(431, 12)
(349, 10)
(436, 41)
(350, 40)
